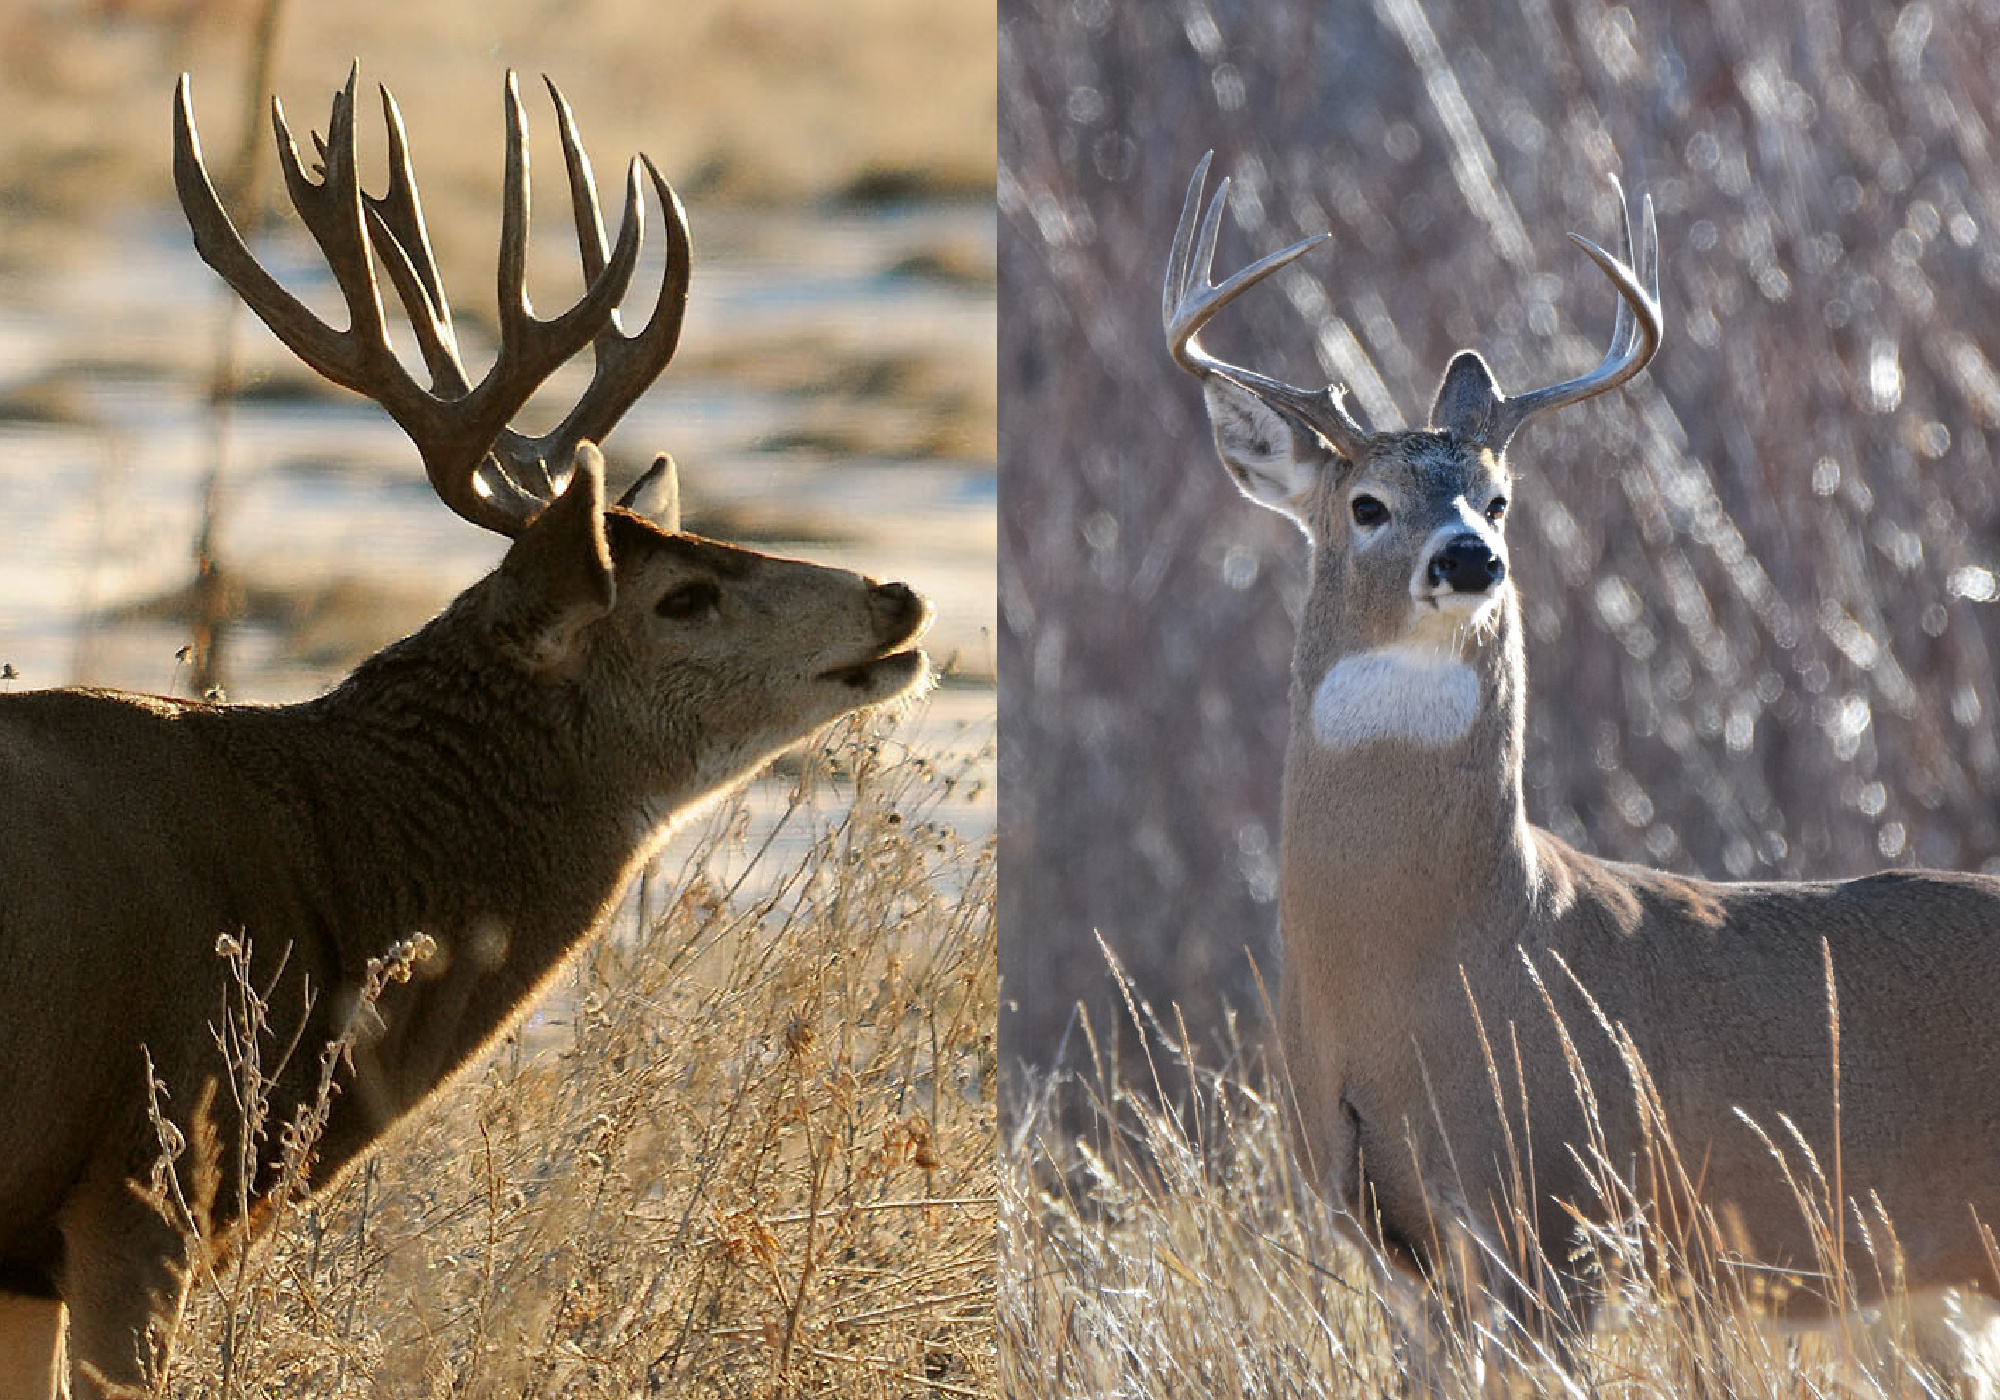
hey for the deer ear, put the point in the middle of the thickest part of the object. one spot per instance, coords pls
(557, 577)
(1274, 458)
(657, 495)
(1468, 404)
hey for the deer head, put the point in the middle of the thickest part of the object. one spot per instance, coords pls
(693, 658)
(1409, 556)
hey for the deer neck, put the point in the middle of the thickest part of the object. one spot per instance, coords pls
(1404, 828)
(470, 813)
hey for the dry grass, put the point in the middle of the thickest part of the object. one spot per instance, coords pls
(1176, 1249)
(759, 103)
(747, 1151)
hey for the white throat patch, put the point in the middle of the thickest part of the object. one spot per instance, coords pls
(1421, 695)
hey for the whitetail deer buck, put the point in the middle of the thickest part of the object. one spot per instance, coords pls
(492, 781)
(1414, 890)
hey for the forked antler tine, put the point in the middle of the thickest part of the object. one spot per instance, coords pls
(451, 428)
(1644, 264)
(530, 349)
(1189, 299)
(330, 208)
(403, 241)
(1181, 279)
(222, 248)
(542, 345)
(627, 364)
(624, 364)
(1635, 334)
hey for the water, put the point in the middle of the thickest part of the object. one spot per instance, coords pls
(104, 458)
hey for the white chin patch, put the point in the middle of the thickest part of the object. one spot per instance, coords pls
(1448, 619)
(1421, 695)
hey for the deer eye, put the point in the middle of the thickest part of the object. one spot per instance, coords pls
(689, 600)
(1368, 512)
(1497, 509)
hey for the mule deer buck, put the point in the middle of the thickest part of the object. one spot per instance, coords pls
(1423, 915)
(491, 782)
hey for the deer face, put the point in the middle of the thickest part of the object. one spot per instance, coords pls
(1407, 532)
(762, 650)
(687, 660)
(1409, 595)
(1414, 532)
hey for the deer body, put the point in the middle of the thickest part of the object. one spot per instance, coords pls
(490, 784)
(1433, 937)
(1721, 986)
(443, 789)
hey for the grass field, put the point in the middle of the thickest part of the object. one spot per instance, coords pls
(746, 1150)
(1175, 1248)
(760, 101)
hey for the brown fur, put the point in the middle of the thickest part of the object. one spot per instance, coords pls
(492, 781)
(484, 789)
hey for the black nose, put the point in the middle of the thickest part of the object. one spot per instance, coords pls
(1467, 565)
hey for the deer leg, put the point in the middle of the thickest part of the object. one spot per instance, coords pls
(31, 1348)
(124, 1280)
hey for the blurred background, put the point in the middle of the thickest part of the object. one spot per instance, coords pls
(1759, 582)
(833, 393)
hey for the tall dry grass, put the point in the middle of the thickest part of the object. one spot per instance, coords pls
(1174, 1247)
(747, 1150)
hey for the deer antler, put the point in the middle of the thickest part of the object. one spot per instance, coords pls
(1635, 335)
(1189, 299)
(490, 474)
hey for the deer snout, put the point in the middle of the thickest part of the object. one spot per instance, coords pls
(897, 609)
(1466, 564)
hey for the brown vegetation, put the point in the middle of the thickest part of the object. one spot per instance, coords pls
(1180, 1250)
(746, 1151)
(752, 100)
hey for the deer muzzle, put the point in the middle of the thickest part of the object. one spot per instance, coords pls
(1465, 564)
(899, 615)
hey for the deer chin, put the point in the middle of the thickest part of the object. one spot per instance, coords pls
(882, 677)
(1452, 621)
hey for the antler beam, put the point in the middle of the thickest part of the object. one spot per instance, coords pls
(487, 472)
(1189, 300)
(1635, 335)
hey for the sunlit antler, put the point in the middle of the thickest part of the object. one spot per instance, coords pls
(1189, 299)
(1635, 335)
(488, 473)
